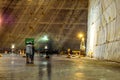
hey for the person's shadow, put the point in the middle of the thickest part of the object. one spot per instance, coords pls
(45, 65)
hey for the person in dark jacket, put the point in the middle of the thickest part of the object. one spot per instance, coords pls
(32, 55)
(28, 52)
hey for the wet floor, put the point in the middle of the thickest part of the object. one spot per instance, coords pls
(14, 67)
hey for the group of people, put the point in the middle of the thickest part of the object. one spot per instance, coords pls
(29, 53)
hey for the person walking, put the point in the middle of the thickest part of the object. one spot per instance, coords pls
(28, 53)
(32, 55)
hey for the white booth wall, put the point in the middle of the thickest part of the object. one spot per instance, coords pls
(103, 39)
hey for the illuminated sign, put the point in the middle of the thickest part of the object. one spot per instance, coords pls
(29, 40)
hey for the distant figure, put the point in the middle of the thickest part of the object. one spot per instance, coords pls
(32, 56)
(69, 54)
(29, 53)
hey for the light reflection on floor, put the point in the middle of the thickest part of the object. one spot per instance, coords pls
(57, 68)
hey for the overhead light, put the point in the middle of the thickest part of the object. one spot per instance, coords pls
(46, 47)
(13, 46)
(80, 35)
(45, 38)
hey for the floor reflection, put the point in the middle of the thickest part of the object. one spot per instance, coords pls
(45, 69)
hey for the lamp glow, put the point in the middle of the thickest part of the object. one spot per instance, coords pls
(45, 38)
(80, 35)
(13, 46)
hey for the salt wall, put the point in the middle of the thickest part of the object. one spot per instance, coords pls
(104, 29)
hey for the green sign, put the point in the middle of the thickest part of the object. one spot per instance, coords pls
(29, 40)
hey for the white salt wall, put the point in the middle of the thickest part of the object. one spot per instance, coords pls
(104, 29)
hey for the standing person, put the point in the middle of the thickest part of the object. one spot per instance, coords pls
(32, 55)
(28, 52)
(68, 53)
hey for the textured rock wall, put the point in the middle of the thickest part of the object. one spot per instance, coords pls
(104, 29)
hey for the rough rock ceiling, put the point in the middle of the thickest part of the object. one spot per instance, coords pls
(60, 19)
